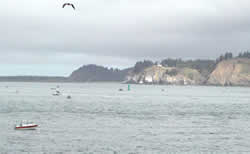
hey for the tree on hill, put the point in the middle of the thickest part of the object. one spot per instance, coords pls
(98, 73)
(226, 56)
(169, 62)
(141, 65)
(244, 55)
(203, 66)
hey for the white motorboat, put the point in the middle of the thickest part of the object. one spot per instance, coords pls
(56, 93)
(26, 126)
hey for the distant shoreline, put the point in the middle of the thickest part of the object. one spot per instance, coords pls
(79, 82)
(49, 79)
(226, 71)
(33, 79)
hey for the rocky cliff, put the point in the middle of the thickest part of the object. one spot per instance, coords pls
(158, 74)
(233, 72)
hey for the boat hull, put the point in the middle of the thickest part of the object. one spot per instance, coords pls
(26, 127)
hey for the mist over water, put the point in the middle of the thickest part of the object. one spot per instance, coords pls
(100, 119)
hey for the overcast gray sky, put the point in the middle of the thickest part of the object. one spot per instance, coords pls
(38, 37)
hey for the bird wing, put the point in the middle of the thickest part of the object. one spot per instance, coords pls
(64, 5)
(73, 6)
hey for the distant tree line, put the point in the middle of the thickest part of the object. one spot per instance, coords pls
(141, 65)
(244, 55)
(94, 72)
(171, 62)
(226, 56)
(203, 66)
(100, 73)
(33, 79)
(229, 55)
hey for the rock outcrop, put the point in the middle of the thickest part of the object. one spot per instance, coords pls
(158, 74)
(233, 72)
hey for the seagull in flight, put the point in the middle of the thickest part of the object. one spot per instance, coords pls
(70, 4)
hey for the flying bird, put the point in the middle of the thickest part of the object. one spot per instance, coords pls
(70, 4)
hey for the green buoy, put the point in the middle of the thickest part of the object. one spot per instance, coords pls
(128, 87)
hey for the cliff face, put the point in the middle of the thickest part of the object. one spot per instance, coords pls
(234, 72)
(157, 74)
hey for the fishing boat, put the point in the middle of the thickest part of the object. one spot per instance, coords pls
(56, 93)
(24, 125)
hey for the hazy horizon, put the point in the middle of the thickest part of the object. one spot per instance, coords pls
(41, 38)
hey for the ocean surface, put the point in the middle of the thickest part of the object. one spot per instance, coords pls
(148, 119)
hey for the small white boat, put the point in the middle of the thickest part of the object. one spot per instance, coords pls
(56, 93)
(26, 126)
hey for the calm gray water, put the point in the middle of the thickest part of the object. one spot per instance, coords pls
(100, 119)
